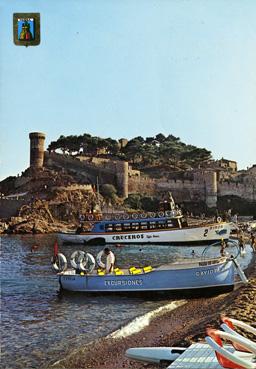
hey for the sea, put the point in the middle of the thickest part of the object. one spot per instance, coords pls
(39, 325)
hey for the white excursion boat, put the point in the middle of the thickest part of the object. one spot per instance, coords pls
(210, 355)
(164, 228)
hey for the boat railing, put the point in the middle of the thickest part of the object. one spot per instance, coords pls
(200, 262)
(212, 261)
(130, 215)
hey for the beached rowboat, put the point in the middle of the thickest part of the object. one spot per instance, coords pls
(216, 274)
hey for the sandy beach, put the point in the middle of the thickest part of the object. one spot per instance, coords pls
(178, 327)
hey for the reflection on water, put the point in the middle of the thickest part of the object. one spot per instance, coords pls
(38, 326)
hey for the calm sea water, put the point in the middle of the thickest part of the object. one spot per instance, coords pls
(38, 326)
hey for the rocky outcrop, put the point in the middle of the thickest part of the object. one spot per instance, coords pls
(62, 211)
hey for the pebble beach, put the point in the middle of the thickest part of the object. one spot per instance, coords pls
(180, 327)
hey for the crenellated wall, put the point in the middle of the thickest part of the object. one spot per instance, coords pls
(144, 185)
(245, 191)
(97, 169)
(74, 187)
(203, 187)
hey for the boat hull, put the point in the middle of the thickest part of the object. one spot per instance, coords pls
(161, 279)
(182, 236)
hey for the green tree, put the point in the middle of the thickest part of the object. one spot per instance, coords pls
(133, 201)
(149, 154)
(149, 203)
(109, 192)
(160, 138)
(196, 156)
(133, 150)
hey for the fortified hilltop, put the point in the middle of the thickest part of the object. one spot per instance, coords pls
(213, 184)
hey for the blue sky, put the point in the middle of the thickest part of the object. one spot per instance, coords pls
(131, 67)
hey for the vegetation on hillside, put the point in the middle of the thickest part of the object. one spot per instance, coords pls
(142, 203)
(141, 152)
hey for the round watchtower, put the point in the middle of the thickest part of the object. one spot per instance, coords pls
(122, 178)
(211, 189)
(36, 149)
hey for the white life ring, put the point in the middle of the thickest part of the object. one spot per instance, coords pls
(90, 216)
(143, 215)
(126, 216)
(160, 214)
(168, 213)
(99, 261)
(219, 220)
(117, 217)
(82, 261)
(76, 258)
(89, 263)
(135, 215)
(59, 263)
(152, 214)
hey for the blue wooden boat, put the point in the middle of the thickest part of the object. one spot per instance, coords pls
(217, 273)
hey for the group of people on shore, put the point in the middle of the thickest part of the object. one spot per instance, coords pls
(253, 242)
(110, 257)
(241, 243)
(241, 240)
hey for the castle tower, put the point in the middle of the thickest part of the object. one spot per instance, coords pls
(122, 178)
(211, 189)
(36, 149)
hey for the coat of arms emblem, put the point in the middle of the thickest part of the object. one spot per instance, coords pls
(26, 29)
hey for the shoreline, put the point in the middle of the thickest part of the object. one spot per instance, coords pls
(178, 327)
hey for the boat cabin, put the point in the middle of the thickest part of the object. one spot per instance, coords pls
(132, 225)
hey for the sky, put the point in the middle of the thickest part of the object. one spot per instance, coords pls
(127, 68)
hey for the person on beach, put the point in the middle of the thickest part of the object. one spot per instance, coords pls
(253, 242)
(110, 260)
(241, 241)
(80, 229)
(222, 247)
(235, 218)
(216, 215)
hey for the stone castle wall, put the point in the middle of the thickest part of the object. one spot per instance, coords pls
(182, 190)
(74, 187)
(245, 191)
(105, 171)
(203, 187)
(143, 185)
